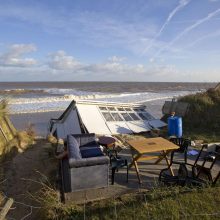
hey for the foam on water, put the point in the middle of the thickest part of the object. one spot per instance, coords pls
(59, 103)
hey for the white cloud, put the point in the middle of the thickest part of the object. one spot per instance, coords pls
(14, 56)
(116, 59)
(61, 61)
(64, 67)
(112, 69)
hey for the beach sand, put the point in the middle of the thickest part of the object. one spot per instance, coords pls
(39, 120)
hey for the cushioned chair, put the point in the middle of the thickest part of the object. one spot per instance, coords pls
(86, 166)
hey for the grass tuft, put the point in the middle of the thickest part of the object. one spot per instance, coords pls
(203, 118)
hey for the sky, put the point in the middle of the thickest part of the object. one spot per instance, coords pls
(110, 40)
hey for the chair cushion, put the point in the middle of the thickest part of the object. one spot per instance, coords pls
(91, 152)
(93, 144)
(84, 140)
(73, 148)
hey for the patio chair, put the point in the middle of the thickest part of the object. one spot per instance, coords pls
(116, 163)
(207, 163)
(199, 174)
(183, 143)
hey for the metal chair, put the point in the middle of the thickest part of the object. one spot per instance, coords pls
(116, 163)
(198, 175)
(183, 143)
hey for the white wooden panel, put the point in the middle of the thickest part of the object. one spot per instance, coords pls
(60, 131)
(119, 127)
(92, 119)
(157, 123)
(138, 126)
(71, 124)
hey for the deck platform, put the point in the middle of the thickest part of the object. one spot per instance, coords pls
(149, 175)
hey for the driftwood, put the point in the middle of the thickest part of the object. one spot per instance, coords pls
(6, 208)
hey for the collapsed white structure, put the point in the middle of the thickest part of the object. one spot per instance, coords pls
(103, 118)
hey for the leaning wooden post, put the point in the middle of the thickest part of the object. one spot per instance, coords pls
(6, 208)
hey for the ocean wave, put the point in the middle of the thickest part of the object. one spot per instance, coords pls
(59, 103)
(21, 91)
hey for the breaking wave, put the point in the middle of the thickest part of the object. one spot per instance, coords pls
(59, 103)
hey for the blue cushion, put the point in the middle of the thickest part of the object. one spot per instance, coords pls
(90, 145)
(84, 140)
(73, 148)
(91, 152)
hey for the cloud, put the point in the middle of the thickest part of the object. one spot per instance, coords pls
(113, 68)
(181, 5)
(116, 59)
(13, 57)
(61, 61)
(188, 29)
(108, 70)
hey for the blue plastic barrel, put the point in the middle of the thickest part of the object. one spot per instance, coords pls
(175, 126)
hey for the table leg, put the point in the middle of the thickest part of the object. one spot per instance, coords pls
(134, 162)
(168, 162)
(137, 172)
(164, 155)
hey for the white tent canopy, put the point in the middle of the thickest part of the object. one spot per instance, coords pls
(103, 118)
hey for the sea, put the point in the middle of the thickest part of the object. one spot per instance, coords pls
(35, 103)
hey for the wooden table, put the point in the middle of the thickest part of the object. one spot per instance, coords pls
(107, 141)
(143, 146)
(109, 144)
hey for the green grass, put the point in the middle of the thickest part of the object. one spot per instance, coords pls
(160, 203)
(203, 118)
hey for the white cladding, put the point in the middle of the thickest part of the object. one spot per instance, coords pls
(156, 123)
(106, 118)
(69, 125)
(98, 120)
(119, 127)
(92, 119)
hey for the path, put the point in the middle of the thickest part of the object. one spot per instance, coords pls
(22, 176)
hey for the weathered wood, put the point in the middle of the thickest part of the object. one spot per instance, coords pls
(217, 88)
(10, 126)
(180, 108)
(150, 145)
(6, 208)
(1, 129)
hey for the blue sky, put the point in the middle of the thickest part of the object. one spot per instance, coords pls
(110, 40)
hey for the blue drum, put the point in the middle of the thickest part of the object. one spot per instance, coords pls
(175, 127)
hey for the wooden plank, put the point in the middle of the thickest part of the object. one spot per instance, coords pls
(6, 208)
(149, 145)
(142, 158)
(3, 133)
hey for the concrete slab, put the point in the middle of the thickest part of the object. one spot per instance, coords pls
(149, 176)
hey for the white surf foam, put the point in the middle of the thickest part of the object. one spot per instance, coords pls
(59, 103)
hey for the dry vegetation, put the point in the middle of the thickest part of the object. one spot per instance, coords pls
(203, 118)
(10, 138)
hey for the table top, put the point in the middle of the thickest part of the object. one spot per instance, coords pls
(105, 140)
(148, 145)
